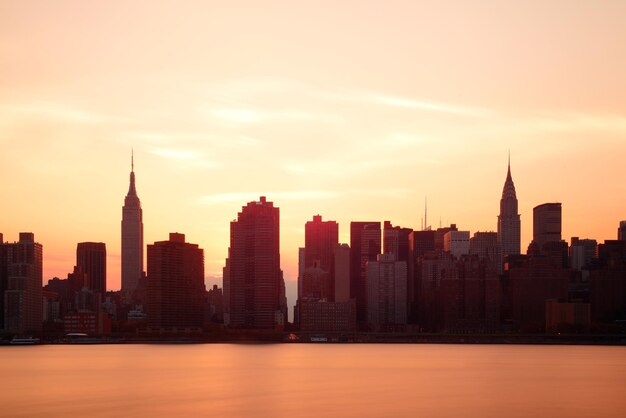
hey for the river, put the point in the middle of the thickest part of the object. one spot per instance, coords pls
(312, 380)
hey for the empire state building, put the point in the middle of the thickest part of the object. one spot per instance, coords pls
(509, 218)
(132, 238)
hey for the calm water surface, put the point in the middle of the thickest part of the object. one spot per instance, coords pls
(299, 380)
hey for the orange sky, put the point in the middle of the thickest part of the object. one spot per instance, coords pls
(354, 111)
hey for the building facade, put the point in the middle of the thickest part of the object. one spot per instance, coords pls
(22, 276)
(457, 243)
(91, 258)
(176, 290)
(365, 246)
(386, 292)
(254, 289)
(546, 224)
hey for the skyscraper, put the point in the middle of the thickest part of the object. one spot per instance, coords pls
(396, 241)
(546, 224)
(386, 292)
(509, 219)
(22, 297)
(365, 245)
(621, 231)
(176, 289)
(91, 259)
(253, 282)
(320, 240)
(132, 238)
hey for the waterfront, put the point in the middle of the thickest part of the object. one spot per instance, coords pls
(308, 380)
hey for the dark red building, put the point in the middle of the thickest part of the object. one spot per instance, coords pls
(176, 290)
(254, 289)
(365, 245)
(91, 259)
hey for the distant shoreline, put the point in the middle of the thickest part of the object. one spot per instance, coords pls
(357, 338)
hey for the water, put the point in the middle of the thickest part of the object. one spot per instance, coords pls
(300, 380)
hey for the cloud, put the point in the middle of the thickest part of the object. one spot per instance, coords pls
(192, 158)
(57, 111)
(245, 197)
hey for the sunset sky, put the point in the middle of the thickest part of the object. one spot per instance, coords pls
(355, 111)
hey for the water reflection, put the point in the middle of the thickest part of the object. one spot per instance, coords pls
(313, 380)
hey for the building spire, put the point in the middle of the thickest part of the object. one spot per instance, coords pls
(131, 188)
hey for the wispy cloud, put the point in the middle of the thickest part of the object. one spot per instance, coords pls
(272, 196)
(432, 106)
(57, 111)
(191, 158)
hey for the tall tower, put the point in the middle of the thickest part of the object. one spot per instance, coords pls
(365, 245)
(20, 276)
(132, 237)
(254, 289)
(509, 219)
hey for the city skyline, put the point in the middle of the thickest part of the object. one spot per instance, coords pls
(360, 121)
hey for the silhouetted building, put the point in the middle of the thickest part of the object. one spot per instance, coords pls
(87, 322)
(320, 240)
(528, 286)
(365, 245)
(420, 243)
(321, 315)
(458, 295)
(582, 252)
(342, 273)
(440, 233)
(386, 293)
(254, 295)
(546, 224)
(3, 277)
(457, 243)
(91, 258)
(176, 289)
(486, 246)
(621, 231)
(567, 316)
(316, 283)
(22, 296)
(132, 239)
(215, 302)
(396, 241)
(470, 297)
(608, 282)
(509, 224)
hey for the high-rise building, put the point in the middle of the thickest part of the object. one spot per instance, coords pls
(509, 224)
(253, 282)
(176, 289)
(342, 273)
(316, 265)
(440, 233)
(91, 258)
(3, 277)
(546, 224)
(21, 275)
(386, 292)
(621, 231)
(487, 247)
(396, 241)
(457, 243)
(582, 252)
(132, 238)
(320, 240)
(365, 245)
